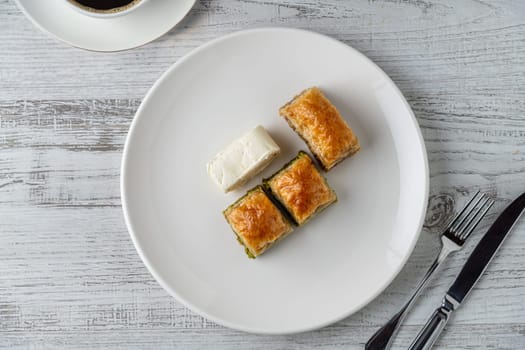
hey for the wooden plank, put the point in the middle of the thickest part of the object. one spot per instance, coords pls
(444, 47)
(333, 337)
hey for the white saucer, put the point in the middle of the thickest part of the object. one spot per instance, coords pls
(322, 272)
(145, 24)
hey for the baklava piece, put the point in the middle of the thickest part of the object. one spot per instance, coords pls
(320, 125)
(257, 222)
(301, 189)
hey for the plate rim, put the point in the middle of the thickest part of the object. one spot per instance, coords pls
(44, 30)
(189, 305)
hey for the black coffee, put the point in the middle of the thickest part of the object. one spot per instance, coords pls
(104, 4)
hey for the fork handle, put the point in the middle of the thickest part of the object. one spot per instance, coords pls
(382, 339)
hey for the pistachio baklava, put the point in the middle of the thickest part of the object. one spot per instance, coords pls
(257, 221)
(316, 120)
(301, 189)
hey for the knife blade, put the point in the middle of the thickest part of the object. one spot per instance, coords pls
(476, 264)
(485, 250)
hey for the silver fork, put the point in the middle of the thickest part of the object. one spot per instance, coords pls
(452, 239)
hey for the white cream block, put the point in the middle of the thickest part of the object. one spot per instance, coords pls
(243, 159)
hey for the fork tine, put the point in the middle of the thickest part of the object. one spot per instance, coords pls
(472, 224)
(470, 216)
(456, 217)
(460, 217)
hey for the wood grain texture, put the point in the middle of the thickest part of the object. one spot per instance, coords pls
(70, 277)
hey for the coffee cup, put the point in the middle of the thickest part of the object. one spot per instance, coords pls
(105, 8)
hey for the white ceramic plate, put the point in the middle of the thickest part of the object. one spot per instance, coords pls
(322, 272)
(140, 26)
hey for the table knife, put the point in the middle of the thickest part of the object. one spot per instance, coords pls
(470, 274)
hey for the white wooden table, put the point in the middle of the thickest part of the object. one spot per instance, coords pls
(69, 274)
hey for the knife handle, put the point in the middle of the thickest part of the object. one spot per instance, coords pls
(434, 326)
